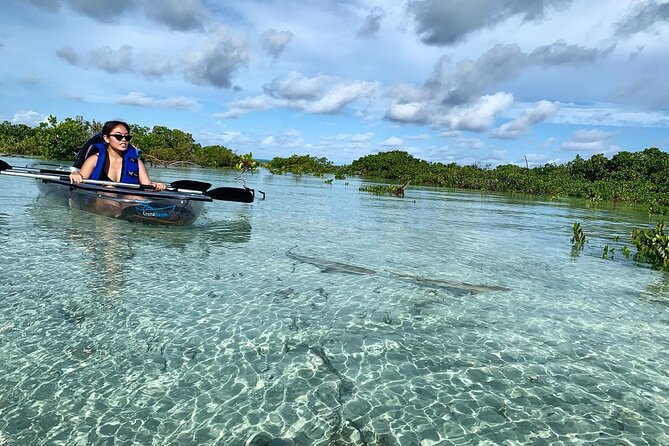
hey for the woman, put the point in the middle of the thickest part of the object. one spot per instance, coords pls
(116, 160)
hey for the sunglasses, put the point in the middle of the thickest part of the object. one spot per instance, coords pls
(120, 137)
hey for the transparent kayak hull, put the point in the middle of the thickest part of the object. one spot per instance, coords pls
(140, 206)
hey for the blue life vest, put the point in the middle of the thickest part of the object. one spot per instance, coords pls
(87, 150)
(129, 170)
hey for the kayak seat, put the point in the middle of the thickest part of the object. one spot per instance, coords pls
(87, 150)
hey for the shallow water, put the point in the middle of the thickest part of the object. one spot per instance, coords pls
(119, 333)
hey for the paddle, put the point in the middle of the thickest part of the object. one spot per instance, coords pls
(242, 195)
(198, 186)
(231, 194)
(30, 169)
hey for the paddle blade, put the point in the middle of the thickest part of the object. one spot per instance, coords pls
(4, 166)
(199, 186)
(231, 194)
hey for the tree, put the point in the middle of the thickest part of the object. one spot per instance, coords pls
(215, 156)
(162, 144)
(60, 141)
(14, 138)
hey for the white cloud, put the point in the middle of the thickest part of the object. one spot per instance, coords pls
(318, 95)
(296, 86)
(258, 103)
(411, 112)
(233, 137)
(228, 138)
(591, 140)
(393, 141)
(421, 137)
(141, 100)
(112, 61)
(214, 65)
(460, 95)
(340, 96)
(522, 125)
(538, 159)
(495, 156)
(362, 137)
(105, 58)
(610, 115)
(353, 64)
(468, 143)
(155, 68)
(479, 116)
(27, 117)
(290, 139)
(646, 16)
(275, 42)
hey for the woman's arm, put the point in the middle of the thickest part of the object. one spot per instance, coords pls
(86, 170)
(145, 179)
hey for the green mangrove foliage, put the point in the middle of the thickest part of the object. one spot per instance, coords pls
(379, 189)
(50, 139)
(608, 252)
(246, 164)
(396, 190)
(55, 140)
(577, 239)
(634, 178)
(215, 156)
(163, 145)
(627, 177)
(302, 164)
(652, 246)
(394, 165)
(626, 252)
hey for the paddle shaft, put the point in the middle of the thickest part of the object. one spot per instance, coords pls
(244, 195)
(189, 185)
(40, 176)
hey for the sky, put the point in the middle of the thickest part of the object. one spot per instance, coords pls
(467, 81)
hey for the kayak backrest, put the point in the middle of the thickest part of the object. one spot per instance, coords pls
(87, 150)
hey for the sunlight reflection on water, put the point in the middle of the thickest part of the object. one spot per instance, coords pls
(212, 334)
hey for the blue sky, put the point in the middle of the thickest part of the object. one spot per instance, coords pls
(466, 81)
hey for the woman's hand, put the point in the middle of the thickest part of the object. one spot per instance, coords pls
(75, 177)
(159, 186)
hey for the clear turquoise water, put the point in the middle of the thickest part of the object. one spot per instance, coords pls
(118, 333)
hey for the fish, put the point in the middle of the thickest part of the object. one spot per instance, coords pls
(449, 285)
(330, 266)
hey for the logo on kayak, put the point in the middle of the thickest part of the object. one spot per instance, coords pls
(148, 211)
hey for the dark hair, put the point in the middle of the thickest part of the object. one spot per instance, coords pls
(109, 125)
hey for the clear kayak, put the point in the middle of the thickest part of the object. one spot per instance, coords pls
(171, 208)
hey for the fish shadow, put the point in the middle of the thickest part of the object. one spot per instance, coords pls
(453, 287)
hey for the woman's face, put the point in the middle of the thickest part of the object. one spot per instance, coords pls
(113, 138)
